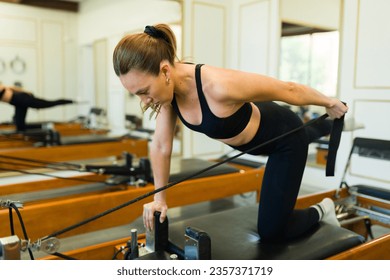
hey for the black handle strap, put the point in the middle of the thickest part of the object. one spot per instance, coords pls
(334, 142)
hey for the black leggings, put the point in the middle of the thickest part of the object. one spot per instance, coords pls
(22, 101)
(277, 219)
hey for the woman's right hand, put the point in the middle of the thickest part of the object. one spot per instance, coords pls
(150, 208)
(337, 109)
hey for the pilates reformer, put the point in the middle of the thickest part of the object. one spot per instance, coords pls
(343, 239)
(137, 199)
(51, 137)
(232, 234)
(366, 205)
(53, 133)
(18, 158)
(217, 178)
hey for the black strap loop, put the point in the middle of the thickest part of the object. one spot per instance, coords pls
(334, 142)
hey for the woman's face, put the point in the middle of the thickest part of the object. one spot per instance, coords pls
(152, 90)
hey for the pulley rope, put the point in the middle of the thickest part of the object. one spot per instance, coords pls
(50, 175)
(32, 165)
(42, 161)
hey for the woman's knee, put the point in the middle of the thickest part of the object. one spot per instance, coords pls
(270, 235)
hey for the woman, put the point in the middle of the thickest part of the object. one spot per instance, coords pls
(23, 100)
(220, 103)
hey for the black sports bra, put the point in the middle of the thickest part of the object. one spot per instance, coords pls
(211, 125)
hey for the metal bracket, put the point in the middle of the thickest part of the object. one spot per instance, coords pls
(49, 246)
(7, 203)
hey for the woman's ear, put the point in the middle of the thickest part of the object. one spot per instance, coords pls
(165, 68)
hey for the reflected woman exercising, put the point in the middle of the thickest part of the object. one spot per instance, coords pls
(22, 100)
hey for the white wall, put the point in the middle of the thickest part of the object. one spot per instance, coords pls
(240, 34)
(105, 18)
(315, 13)
(365, 80)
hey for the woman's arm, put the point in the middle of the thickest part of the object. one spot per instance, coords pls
(251, 87)
(160, 156)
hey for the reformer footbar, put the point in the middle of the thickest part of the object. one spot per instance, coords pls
(53, 235)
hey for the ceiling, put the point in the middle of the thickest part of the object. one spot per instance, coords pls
(63, 5)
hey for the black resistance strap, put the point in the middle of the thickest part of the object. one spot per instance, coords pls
(194, 175)
(334, 142)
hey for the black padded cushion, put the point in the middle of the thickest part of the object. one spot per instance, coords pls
(372, 191)
(234, 236)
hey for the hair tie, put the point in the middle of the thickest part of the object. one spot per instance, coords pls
(155, 33)
(152, 31)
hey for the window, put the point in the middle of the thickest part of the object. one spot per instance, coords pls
(311, 59)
